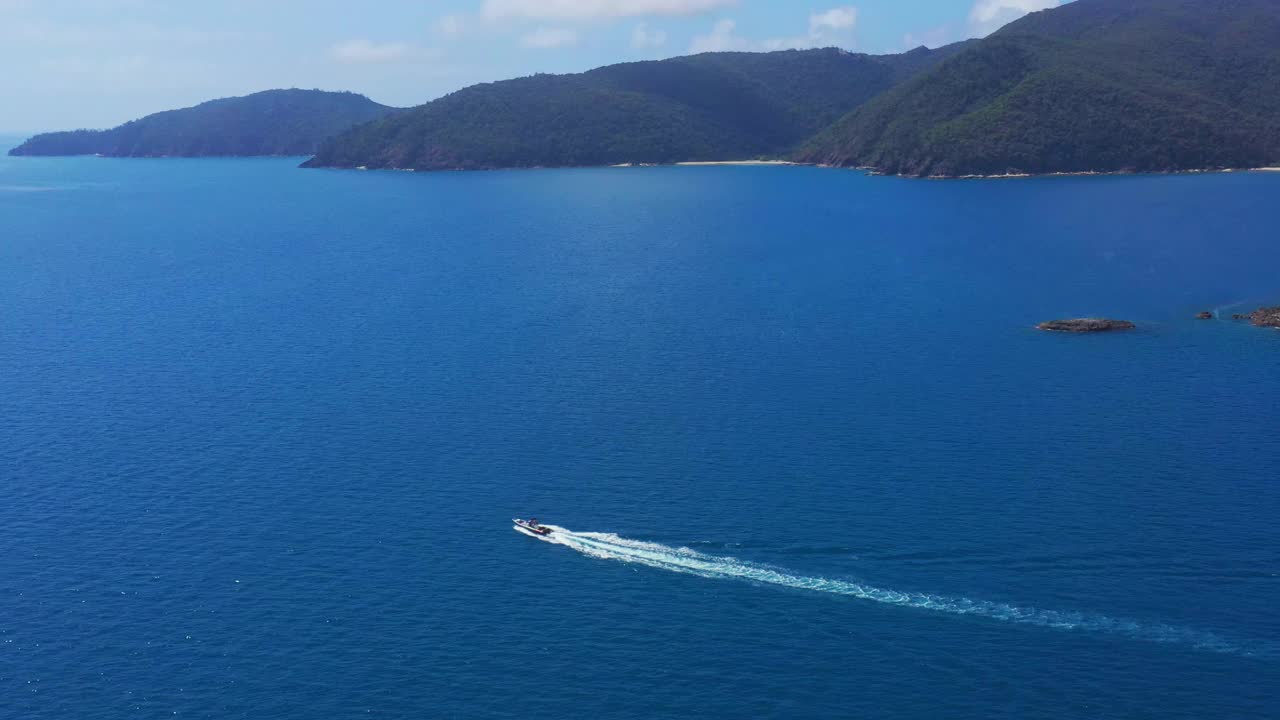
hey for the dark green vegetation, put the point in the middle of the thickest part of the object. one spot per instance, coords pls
(1095, 85)
(275, 122)
(714, 106)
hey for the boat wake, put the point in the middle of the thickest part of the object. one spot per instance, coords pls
(607, 546)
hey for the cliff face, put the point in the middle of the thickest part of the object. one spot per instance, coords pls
(275, 122)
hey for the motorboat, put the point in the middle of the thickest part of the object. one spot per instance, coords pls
(531, 527)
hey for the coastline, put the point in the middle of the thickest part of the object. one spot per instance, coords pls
(1079, 173)
(864, 169)
(1001, 176)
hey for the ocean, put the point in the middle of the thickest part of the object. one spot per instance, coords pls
(263, 429)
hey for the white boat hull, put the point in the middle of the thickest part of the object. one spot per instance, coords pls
(523, 526)
(527, 531)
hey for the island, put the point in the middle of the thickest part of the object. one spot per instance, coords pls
(1085, 325)
(272, 122)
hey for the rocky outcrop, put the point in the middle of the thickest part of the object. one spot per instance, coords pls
(1085, 325)
(1266, 317)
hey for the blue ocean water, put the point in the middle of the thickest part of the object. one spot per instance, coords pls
(262, 431)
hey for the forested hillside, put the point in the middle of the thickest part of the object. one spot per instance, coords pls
(1095, 85)
(714, 106)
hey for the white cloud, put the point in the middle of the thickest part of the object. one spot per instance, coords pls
(931, 38)
(841, 18)
(549, 38)
(825, 30)
(643, 37)
(800, 42)
(450, 24)
(359, 52)
(720, 39)
(596, 9)
(987, 16)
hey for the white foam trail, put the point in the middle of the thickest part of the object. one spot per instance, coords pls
(607, 546)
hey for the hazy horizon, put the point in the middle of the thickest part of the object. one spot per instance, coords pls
(83, 64)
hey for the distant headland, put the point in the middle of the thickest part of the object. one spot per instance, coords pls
(273, 122)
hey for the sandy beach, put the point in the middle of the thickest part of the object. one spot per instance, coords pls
(739, 162)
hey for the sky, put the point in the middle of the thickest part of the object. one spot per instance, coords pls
(68, 64)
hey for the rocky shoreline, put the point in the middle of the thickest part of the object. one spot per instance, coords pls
(1262, 317)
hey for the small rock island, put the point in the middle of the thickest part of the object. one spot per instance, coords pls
(1266, 317)
(1085, 325)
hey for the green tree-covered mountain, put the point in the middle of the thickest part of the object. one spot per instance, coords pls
(714, 106)
(1094, 85)
(275, 122)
